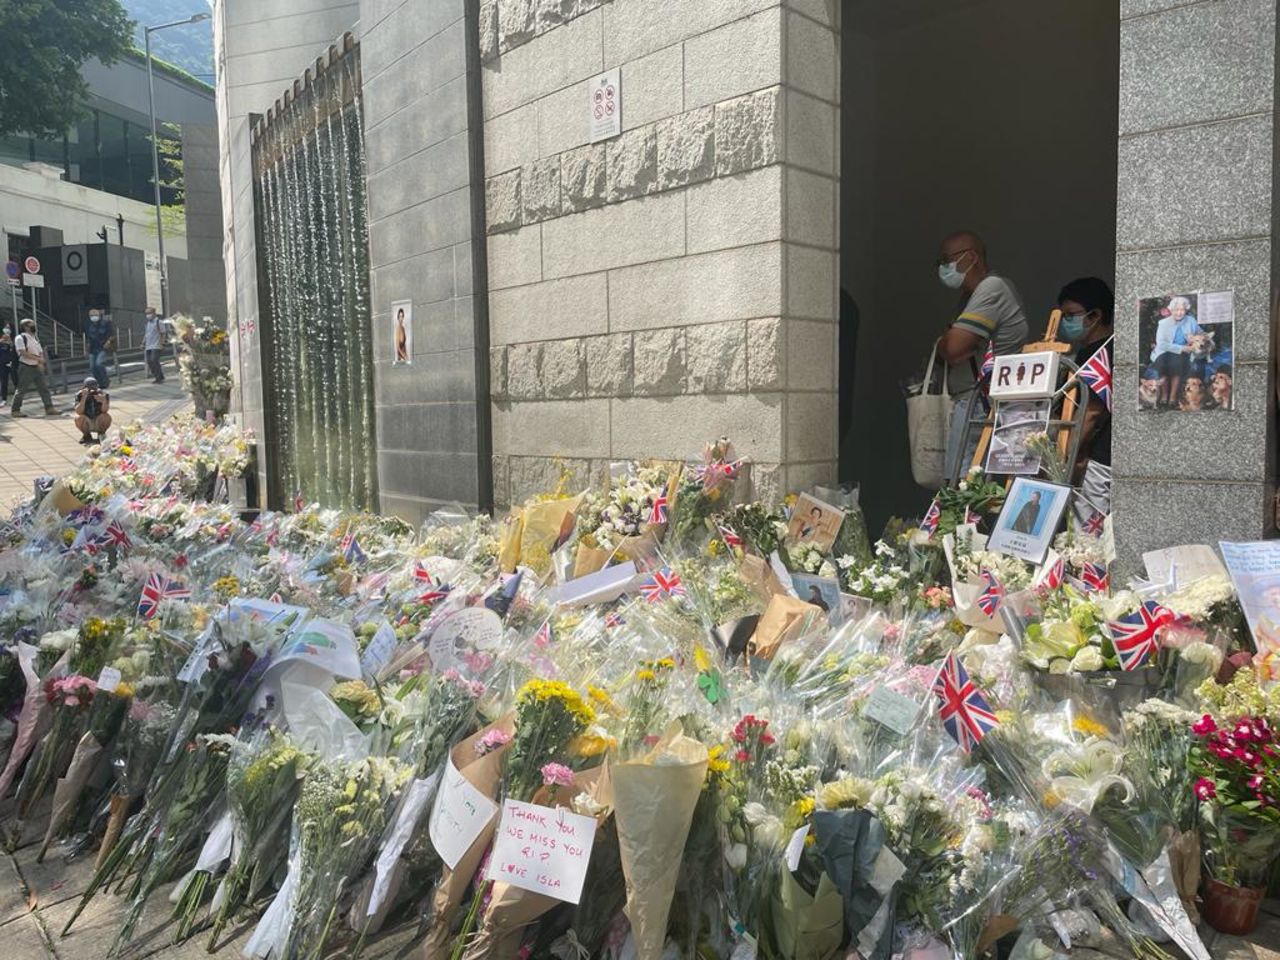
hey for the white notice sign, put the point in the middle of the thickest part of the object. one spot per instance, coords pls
(1024, 376)
(543, 849)
(605, 104)
(460, 814)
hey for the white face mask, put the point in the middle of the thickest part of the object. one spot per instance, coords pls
(950, 276)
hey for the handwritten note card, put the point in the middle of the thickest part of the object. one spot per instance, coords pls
(542, 849)
(460, 814)
(892, 709)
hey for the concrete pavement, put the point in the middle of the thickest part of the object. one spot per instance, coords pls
(36, 445)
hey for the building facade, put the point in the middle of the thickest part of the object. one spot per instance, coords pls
(98, 176)
(749, 251)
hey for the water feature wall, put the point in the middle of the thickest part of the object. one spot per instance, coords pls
(313, 279)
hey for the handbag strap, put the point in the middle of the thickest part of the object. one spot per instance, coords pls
(928, 371)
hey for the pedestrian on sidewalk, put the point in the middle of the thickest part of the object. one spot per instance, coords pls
(8, 357)
(92, 404)
(100, 337)
(153, 343)
(32, 370)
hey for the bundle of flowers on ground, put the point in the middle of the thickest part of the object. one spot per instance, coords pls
(654, 717)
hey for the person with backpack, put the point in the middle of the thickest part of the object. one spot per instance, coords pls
(32, 370)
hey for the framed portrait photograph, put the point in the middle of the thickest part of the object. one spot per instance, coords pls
(1017, 421)
(814, 522)
(822, 592)
(1186, 351)
(402, 332)
(1029, 519)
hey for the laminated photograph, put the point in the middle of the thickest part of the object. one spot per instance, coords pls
(1186, 344)
(814, 522)
(402, 331)
(1017, 421)
(1029, 519)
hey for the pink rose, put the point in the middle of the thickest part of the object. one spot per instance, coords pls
(557, 775)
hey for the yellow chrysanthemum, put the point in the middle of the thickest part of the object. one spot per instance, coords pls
(716, 761)
(1088, 727)
(541, 691)
(590, 745)
(646, 675)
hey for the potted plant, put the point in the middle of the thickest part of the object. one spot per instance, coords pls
(1235, 757)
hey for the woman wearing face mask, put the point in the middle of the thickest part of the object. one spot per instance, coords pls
(1088, 314)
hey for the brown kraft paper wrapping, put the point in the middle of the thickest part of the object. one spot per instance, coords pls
(511, 909)
(68, 788)
(485, 774)
(782, 620)
(653, 810)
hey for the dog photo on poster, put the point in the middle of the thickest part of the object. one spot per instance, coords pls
(1185, 348)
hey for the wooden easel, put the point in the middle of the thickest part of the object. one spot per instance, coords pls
(1070, 421)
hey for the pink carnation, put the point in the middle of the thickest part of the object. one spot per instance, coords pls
(491, 741)
(557, 775)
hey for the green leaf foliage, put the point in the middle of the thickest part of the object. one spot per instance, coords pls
(43, 45)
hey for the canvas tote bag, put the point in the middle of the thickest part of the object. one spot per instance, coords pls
(928, 426)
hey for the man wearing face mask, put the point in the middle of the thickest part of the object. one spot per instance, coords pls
(1088, 317)
(990, 312)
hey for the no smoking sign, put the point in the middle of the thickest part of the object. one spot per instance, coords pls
(606, 105)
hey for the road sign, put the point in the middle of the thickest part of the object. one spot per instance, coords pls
(32, 280)
(12, 270)
(32, 265)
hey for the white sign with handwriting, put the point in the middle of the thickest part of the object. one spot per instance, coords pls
(460, 815)
(543, 849)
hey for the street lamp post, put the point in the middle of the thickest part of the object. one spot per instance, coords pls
(155, 152)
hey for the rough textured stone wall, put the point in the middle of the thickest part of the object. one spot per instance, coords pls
(1196, 211)
(677, 282)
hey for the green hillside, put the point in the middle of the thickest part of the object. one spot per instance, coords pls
(189, 47)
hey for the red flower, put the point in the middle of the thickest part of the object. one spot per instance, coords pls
(1204, 726)
(1255, 781)
(742, 756)
(1205, 789)
(768, 739)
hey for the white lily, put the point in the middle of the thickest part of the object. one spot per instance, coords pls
(1081, 775)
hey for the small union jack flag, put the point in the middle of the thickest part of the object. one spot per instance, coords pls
(435, 595)
(422, 575)
(988, 362)
(1051, 575)
(1096, 372)
(730, 538)
(544, 636)
(1096, 523)
(298, 503)
(992, 596)
(613, 621)
(351, 549)
(931, 517)
(658, 514)
(119, 536)
(970, 517)
(1134, 636)
(963, 709)
(661, 584)
(83, 516)
(1095, 578)
(157, 589)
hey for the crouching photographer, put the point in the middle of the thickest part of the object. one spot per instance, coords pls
(92, 404)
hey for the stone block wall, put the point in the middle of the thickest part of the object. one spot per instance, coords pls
(418, 143)
(678, 282)
(1196, 211)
